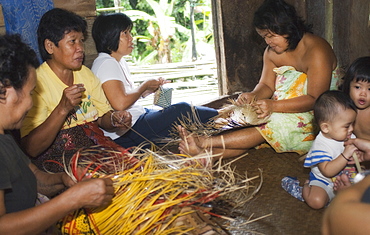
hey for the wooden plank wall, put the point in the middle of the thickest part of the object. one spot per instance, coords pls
(351, 30)
(345, 24)
(2, 23)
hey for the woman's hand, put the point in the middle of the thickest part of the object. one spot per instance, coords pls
(72, 97)
(93, 192)
(67, 181)
(264, 108)
(245, 98)
(152, 85)
(363, 146)
(121, 119)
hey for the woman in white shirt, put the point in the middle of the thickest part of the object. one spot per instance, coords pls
(113, 40)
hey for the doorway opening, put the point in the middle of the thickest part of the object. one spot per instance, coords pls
(174, 40)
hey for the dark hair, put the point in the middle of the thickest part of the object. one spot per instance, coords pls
(54, 24)
(359, 70)
(281, 18)
(15, 59)
(106, 31)
(328, 104)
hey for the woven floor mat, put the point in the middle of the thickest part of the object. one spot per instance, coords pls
(289, 215)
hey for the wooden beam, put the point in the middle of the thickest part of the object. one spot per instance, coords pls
(83, 8)
(2, 23)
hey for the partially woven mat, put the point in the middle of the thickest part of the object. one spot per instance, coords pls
(289, 215)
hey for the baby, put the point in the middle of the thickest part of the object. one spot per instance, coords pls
(335, 114)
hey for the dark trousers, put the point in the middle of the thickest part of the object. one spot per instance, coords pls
(155, 125)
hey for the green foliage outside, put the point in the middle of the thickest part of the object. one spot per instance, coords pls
(162, 28)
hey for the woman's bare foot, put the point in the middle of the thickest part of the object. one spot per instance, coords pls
(341, 182)
(188, 144)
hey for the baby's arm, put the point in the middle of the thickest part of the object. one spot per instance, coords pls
(332, 168)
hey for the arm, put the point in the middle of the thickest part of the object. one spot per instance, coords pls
(90, 193)
(40, 138)
(120, 99)
(266, 85)
(332, 168)
(50, 184)
(320, 62)
(347, 214)
(113, 120)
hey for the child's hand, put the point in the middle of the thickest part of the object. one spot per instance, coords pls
(349, 151)
(360, 155)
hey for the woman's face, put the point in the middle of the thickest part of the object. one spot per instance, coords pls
(20, 102)
(360, 93)
(125, 45)
(69, 54)
(277, 43)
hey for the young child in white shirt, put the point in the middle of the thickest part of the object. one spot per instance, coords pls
(335, 114)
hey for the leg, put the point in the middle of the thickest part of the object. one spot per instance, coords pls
(231, 144)
(205, 113)
(155, 125)
(316, 197)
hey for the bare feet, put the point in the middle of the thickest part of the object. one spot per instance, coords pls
(188, 144)
(341, 182)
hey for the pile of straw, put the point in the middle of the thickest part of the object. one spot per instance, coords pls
(148, 187)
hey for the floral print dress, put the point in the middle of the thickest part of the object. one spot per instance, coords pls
(291, 132)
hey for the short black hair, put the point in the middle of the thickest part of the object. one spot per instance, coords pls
(329, 105)
(281, 18)
(54, 24)
(15, 59)
(359, 70)
(106, 31)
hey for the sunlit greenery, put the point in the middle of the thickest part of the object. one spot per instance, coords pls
(162, 28)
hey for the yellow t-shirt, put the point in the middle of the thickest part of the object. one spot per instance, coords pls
(48, 93)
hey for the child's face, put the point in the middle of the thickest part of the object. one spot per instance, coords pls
(341, 127)
(360, 93)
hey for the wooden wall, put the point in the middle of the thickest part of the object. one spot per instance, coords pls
(2, 24)
(344, 23)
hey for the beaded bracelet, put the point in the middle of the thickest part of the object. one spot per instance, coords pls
(345, 157)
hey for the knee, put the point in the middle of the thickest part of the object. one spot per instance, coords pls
(182, 106)
(316, 202)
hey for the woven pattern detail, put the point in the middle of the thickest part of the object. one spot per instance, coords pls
(163, 97)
